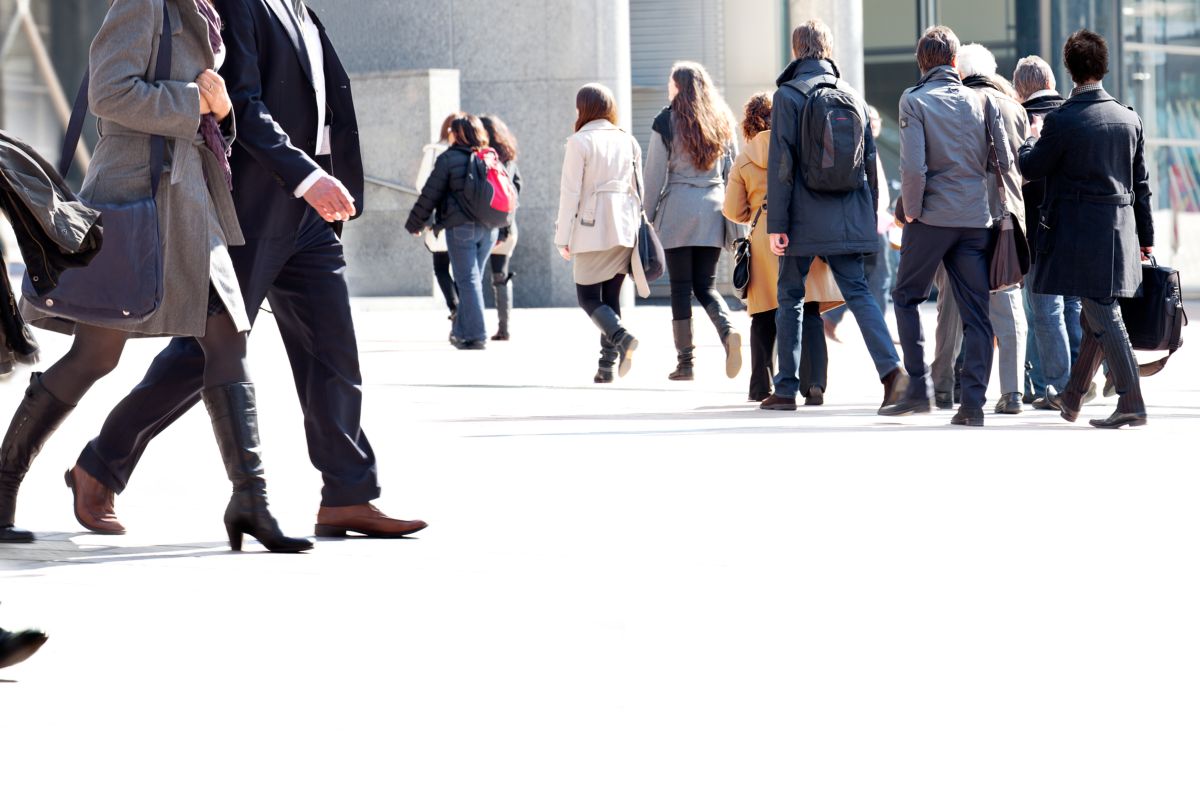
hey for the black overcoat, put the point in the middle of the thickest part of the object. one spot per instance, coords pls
(1096, 215)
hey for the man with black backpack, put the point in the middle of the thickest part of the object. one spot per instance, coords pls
(822, 193)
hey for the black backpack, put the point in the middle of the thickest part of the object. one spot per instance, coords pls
(1155, 317)
(831, 137)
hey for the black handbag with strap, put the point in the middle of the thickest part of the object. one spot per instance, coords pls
(741, 259)
(124, 282)
(1010, 251)
(1155, 317)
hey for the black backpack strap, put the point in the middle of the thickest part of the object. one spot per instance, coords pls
(158, 145)
(812, 84)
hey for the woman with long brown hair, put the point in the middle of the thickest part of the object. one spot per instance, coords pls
(598, 220)
(505, 145)
(692, 148)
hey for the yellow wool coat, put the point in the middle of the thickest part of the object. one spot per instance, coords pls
(744, 195)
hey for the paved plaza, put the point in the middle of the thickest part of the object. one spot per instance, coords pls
(646, 591)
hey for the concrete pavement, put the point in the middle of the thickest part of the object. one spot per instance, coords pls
(644, 590)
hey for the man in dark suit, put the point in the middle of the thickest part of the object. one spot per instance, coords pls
(1092, 156)
(297, 178)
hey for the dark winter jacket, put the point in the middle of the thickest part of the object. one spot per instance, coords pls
(1096, 214)
(816, 223)
(438, 203)
(1035, 191)
(55, 231)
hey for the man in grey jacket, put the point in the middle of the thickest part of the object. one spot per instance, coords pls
(806, 223)
(944, 175)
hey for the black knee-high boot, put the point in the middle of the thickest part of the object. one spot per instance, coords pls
(234, 414)
(38, 416)
(718, 312)
(609, 324)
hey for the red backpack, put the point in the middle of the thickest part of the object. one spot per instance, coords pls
(488, 196)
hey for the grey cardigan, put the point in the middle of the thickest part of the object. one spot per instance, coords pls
(196, 217)
(685, 203)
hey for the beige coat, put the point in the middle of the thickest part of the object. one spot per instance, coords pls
(598, 208)
(196, 217)
(745, 194)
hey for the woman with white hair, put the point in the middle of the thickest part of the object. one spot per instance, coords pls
(977, 66)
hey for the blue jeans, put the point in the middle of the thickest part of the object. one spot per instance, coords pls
(1052, 353)
(880, 269)
(852, 281)
(469, 246)
(1073, 317)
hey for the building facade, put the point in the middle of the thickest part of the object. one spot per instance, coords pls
(415, 62)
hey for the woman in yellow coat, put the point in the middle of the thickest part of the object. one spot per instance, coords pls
(745, 194)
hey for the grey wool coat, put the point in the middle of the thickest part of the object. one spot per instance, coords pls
(685, 204)
(196, 217)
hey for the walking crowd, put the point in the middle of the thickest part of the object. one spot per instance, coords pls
(260, 180)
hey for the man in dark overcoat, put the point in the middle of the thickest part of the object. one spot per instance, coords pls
(1095, 223)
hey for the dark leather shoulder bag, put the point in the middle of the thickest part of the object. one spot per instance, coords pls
(1007, 266)
(124, 282)
(742, 257)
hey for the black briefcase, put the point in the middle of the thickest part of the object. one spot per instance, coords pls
(1155, 317)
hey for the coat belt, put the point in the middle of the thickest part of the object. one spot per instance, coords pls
(1103, 199)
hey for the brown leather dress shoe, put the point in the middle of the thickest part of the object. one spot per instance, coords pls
(93, 502)
(339, 521)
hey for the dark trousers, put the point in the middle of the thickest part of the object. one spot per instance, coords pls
(594, 295)
(692, 271)
(964, 251)
(1105, 340)
(303, 278)
(814, 352)
(441, 273)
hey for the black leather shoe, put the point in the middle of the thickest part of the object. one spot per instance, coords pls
(1120, 419)
(943, 400)
(971, 417)
(909, 405)
(815, 397)
(1009, 404)
(17, 646)
(1051, 401)
(778, 403)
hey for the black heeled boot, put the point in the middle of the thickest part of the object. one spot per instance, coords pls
(608, 361)
(38, 416)
(622, 340)
(234, 416)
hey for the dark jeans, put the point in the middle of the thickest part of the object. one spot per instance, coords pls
(964, 251)
(441, 273)
(693, 271)
(304, 279)
(594, 295)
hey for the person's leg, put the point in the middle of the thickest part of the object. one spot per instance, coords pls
(814, 356)
(601, 302)
(1035, 380)
(922, 251)
(947, 342)
(441, 273)
(1007, 313)
(793, 271)
(704, 286)
(852, 281)
(967, 268)
(679, 271)
(463, 242)
(1073, 322)
(502, 290)
(94, 353)
(1104, 318)
(590, 297)
(762, 354)
(875, 268)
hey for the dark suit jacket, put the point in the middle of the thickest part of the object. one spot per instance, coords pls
(1035, 191)
(274, 102)
(1096, 213)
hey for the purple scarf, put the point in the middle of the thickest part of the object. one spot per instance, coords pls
(210, 127)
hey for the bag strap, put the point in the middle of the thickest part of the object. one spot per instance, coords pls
(158, 145)
(754, 224)
(994, 157)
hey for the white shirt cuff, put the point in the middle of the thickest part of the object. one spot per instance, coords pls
(308, 182)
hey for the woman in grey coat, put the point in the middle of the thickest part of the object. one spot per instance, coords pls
(197, 223)
(692, 149)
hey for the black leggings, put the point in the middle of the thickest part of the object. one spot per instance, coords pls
(499, 267)
(693, 271)
(594, 295)
(96, 351)
(441, 273)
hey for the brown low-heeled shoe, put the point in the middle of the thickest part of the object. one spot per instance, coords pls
(339, 521)
(93, 502)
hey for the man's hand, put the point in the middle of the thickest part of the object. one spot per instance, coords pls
(1146, 253)
(779, 244)
(909, 219)
(1035, 126)
(331, 200)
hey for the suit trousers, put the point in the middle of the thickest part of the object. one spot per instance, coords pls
(1007, 313)
(303, 278)
(1105, 340)
(964, 251)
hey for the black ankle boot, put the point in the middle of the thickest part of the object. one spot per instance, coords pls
(38, 416)
(234, 416)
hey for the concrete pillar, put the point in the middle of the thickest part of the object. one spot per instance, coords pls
(845, 19)
(523, 60)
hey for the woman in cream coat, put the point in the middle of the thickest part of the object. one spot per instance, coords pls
(744, 196)
(598, 218)
(196, 217)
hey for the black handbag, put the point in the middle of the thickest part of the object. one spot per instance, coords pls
(741, 259)
(648, 251)
(1155, 317)
(124, 282)
(1010, 251)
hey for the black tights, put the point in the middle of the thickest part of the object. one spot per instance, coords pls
(693, 271)
(96, 352)
(594, 295)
